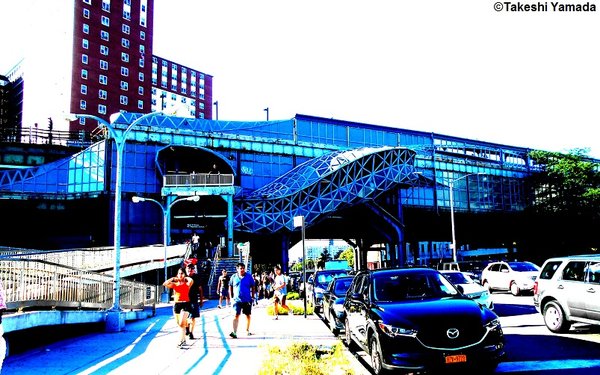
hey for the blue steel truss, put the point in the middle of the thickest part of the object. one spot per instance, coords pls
(324, 185)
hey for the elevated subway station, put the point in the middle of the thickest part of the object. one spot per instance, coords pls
(367, 184)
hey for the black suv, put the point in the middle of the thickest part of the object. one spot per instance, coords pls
(414, 319)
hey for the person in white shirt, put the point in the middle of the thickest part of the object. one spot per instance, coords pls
(279, 291)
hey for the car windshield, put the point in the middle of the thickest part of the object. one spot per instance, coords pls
(411, 285)
(458, 278)
(341, 287)
(523, 266)
(323, 279)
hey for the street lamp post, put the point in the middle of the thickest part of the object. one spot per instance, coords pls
(166, 210)
(216, 103)
(267, 110)
(451, 185)
(120, 139)
(299, 222)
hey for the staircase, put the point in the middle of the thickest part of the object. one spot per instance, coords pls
(210, 275)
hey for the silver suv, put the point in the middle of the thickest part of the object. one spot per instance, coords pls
(567, 290)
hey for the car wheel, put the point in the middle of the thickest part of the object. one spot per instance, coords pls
(514, 289)
(347, 336)
(554, 317)
(487, 286)
(376, 356)
(333, 327)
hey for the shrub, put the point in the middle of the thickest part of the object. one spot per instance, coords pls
(293, 296)
(296, 308)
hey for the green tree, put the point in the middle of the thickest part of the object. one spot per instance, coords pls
(347, 255)
(567, 183)
(325, 256)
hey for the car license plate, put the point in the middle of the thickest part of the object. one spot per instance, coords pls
(458, 358)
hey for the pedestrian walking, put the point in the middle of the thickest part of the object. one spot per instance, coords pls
(223, 288)
(196, 299)
(241, 290)
(181, 285)
(279, 291)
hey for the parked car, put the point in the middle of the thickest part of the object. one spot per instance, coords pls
(516, 277)
(467, 286)
(333, 302)
(317, 284)
(471, 267)
(567, 290)
(414, 319)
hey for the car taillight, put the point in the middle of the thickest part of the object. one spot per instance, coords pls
(535, 287)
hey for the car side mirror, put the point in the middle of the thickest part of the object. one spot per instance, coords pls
(357, 296)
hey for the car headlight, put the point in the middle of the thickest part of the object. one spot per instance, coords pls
(392, 331)
(493, 324)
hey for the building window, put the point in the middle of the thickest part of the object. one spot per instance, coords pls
(102, 79)
(82, 104)
(88, 2)
(124, 86)
(142, 35)
(103, 35)
(141, 90)
(84, 59)
(102, 109)
(142, 49)
(86, 13)
(140, 104)
(85, 43)
(102, 94)
(123, 100)
(104, 50)
(86, 28)
(201, 105)
(141, 77)
(103, 65)
(125, 42)
(106, 5)
(124, 57)
(127, 15)
(84, 89)
(84, 73)
(125, 29)
(124, 71)
(105, 20)
(141, 62)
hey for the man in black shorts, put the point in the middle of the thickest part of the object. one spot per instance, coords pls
(196, 299)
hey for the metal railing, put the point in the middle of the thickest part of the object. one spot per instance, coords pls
(198, 179)
(32, 283)
(97, 259)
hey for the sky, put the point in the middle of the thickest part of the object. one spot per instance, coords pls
(461, 68)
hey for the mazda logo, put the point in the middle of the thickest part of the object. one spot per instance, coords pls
(452, 333)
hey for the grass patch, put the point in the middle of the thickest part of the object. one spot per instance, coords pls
(303, 358)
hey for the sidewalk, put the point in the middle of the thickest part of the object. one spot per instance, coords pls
(149, 346)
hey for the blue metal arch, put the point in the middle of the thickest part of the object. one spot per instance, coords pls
(324, 185)
(203, 149)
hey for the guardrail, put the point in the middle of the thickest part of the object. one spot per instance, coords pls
(32, 283)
